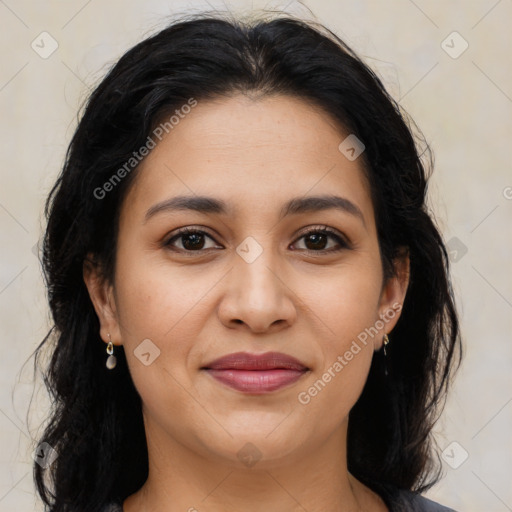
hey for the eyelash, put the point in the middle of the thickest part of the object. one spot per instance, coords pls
(342, 242)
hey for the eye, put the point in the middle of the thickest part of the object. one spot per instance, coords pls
(317, 240)
(189, 240)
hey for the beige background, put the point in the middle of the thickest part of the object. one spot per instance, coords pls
(463, 105)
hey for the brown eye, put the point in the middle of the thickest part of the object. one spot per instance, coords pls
(317, 240)
(189, 240)
(193, 241)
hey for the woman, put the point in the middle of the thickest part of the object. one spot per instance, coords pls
(251, 301)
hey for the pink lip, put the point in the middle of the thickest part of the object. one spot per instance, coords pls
(256, 373)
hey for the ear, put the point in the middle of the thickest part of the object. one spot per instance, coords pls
(101, 293)
(393, 295)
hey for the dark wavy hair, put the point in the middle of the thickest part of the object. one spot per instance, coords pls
(96, 423)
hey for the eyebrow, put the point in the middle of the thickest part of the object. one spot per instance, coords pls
(297, 205)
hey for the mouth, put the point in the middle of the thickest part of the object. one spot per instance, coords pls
(256, 373)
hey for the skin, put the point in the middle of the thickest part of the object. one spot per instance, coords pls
(255, 154)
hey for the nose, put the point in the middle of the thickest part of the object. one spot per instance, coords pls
(256, 297)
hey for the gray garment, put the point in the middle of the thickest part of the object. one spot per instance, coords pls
(408, 501)
(402, 501)
(114, 507)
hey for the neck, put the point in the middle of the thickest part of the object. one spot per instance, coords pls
(316, 479)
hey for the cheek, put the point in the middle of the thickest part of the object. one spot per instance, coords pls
(150, 309)
(335, 388)
(153, 305)
(348, 307)
(155, 300)
(347, 301)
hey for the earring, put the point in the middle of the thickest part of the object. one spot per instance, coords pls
(111, 359)
(386, 341)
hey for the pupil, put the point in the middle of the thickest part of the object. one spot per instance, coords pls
(196, 241)
(318, 240)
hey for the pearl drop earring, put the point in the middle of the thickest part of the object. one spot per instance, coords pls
(111, 359)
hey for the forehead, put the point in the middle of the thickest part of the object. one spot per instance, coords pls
(240, 149)
(241, 123)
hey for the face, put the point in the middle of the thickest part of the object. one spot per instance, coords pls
(262, 268)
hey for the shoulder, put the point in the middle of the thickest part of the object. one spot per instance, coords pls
(411, 501)
(402, 500)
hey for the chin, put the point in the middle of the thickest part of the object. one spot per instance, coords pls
(255, 448)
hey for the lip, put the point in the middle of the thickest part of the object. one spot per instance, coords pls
(256, 373)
